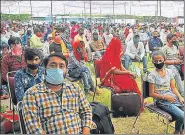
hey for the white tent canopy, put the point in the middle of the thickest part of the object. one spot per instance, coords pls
(139, 8)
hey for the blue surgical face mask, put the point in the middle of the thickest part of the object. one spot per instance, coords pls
(54, 76)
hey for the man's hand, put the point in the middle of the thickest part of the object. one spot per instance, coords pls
(137, 58)
(86, 130)
(133, 75)
(179, 62)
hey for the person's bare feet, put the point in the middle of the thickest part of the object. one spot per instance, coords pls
(182, 132)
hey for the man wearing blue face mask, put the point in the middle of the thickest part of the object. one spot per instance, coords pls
(55, 106)
(135, 50)
(32, 74)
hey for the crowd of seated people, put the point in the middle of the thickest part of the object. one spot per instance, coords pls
(43, 59)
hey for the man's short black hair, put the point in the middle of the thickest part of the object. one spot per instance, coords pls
(28, 32)
(36, 30)
(136, 35)
(30, 53)
(14, 40)
(169, 36)
(57, 54)
(156, 53)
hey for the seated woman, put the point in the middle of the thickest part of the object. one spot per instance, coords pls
(112, 72)
(162, 88)
(76, 67)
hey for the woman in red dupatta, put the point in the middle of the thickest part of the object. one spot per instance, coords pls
(112, 72)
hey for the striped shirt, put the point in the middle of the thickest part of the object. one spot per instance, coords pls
(45, 112)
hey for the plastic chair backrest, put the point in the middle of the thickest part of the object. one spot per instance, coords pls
(12, 90)
(21, 120)
(97, 68)
(11, 87)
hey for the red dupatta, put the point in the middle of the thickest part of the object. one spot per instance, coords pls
(111, 58)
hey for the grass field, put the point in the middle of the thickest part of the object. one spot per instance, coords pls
(147, 123)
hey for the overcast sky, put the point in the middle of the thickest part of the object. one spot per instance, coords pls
(43, 8)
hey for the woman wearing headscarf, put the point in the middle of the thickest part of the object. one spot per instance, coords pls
(58, 45)
(112, 72)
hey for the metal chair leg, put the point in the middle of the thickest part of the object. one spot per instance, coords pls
(136, 119)
(13, 125)
(10, 104)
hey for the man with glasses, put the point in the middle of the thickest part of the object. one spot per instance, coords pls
(32, 74)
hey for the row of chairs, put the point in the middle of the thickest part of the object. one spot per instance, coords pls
(145, 94)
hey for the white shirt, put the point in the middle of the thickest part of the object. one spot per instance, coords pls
(108, 38)
(129, 37)
(132, 51)
(143, 36)
(46, 49)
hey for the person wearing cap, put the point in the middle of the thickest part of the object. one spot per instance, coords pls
(56, 106)
(14, 60)
(32, 74)
(135, 50)
(155, 42)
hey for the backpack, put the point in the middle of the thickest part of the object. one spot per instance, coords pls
(101, 117)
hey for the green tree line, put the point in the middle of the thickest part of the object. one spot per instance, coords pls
(11, 17)
(27, 17)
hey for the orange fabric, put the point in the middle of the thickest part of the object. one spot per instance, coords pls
(75, 45)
